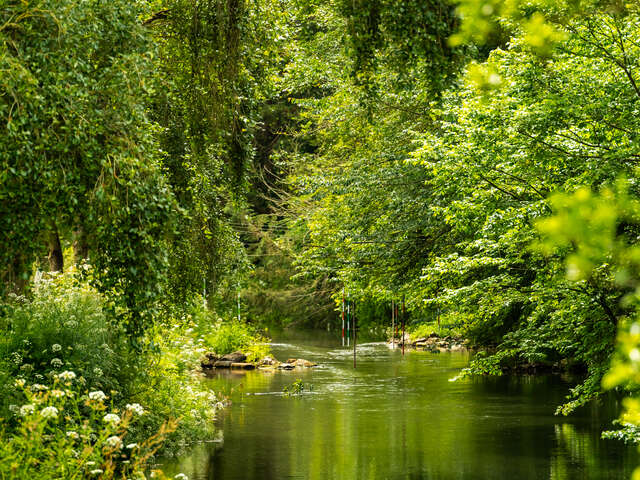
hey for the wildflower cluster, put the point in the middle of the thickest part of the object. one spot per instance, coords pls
(88, 438)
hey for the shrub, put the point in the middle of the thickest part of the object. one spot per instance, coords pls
(228, 336)
(62, 327)
(65, 431)
(65, 326)
(171, 386)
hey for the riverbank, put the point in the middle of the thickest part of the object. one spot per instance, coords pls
(433, 343)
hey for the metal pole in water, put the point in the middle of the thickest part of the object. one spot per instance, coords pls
(393, 324)
(355, 333)
(403, 321)
(238, 302)
(348, 321)
(395, 309)
(343, 317)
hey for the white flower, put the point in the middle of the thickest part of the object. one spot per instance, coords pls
(71, 324)
(56, 347)
(114, 442)
(135, 408)
(97, 471)
(111, 418)
(98, 396)
(132, 446)
(19, 382)
(97, 372)
(17, 358)
(72, 434)
(57, 393)
(36, 387)
(67, 376)
(14, 408)
(181, 476)
(49, 412)
(56, 363)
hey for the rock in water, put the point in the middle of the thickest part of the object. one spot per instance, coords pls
(268, 360)
(208, 360)
(301, 362)
(223, 364)
(243, 365)
(235, 357)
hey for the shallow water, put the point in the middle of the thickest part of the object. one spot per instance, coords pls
(400, 417)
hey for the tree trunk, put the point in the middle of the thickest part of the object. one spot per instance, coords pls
(56, 260)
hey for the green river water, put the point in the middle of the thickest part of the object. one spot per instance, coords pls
(399, 417)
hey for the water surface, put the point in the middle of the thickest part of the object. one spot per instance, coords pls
(400, 417)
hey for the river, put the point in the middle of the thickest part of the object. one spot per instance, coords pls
(396, 417)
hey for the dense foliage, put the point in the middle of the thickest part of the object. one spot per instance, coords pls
(477, 159)
(436, 195)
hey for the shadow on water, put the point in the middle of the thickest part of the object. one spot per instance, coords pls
(400, 418)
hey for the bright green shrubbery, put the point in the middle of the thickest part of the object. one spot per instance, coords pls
(62, 326)
(171, 386)
(64, 430)
(64, 366)
(224, 337)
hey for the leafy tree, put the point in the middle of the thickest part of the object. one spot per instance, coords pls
(77, 156)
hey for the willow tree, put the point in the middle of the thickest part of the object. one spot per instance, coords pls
(213, 75)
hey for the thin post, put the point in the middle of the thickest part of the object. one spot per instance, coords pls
(393, 324)
(403, 322)
(355, 333)
(348, 321)
(396, 313)
(342, 314)
(238, 302)
(204, 292)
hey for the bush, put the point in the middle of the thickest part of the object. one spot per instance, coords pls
(62, 327)
(65, 326)
(65, 431)
(224, 337)
(171, 386)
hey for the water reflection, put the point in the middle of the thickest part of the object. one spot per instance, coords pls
(400, 418)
